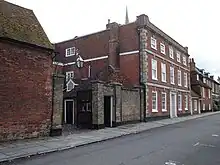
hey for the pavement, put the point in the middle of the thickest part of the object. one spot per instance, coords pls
(26, 148)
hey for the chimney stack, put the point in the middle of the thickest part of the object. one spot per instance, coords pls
(212, 77)
(192, 65)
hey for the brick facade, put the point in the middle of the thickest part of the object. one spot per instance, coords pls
(25, 91)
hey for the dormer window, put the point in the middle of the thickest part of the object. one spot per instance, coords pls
(69, 85)
(70, 51)
(197, 77)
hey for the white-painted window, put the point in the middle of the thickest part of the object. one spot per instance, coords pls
(172, 75)
(89, 71)
(204, 80)
(203, 92)
(162, 48)
(163, 72)
(178, 56)
(179, 78)
(153, 43)
(69, 85)
(69, 75)
(185, 80)
(195, 105)
(184, 60)
(209, 106)
(171, 52)
(209, 90)
(203, 107)
(197, 77)
(154, 69)
(180, 102)
(186, 102)
(164, 102)
(154, 101)
(70, 51)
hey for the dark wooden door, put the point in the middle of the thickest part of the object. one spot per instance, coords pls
(107, 111)
(69, 112)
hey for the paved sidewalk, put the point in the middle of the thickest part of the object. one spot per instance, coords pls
(26, 148)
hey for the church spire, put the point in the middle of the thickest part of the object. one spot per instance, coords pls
(126, 17)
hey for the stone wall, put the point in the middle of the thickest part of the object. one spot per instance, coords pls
(58, 82)
(130, 105)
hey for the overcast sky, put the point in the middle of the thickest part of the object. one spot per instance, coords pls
(193, 23)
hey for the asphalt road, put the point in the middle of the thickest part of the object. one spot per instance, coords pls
(195, 142)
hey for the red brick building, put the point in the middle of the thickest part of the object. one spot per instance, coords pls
(140, 54)
(26, 74)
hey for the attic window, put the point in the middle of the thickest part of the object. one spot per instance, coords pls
(70, 51)
(69, 86)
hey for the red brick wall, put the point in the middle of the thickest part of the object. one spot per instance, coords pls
(129, 66)
(25, 92)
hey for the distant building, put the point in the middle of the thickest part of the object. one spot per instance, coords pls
(26, 75)
(141, 58)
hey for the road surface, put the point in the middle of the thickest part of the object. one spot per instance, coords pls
(194, 142)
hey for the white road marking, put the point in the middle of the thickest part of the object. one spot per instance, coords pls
(196, 144)
(215, 135)
(207, 145)
(171, 162)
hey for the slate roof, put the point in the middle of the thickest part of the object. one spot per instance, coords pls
(21, 24)
(194, 94)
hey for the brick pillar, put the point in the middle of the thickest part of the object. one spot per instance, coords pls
(97, 104)
(142, 23)
(58, 82)
(113, 54)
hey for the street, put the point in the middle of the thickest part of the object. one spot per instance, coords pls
(194, 142)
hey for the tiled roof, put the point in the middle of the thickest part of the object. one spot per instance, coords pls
(21, 24)
(194, 94)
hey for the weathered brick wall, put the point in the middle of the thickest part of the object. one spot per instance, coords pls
(25, 92)
(130, 105)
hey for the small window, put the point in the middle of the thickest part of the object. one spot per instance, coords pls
(203, 107)
(70, 86)
(186, 102)
(185, 80)
(179, 78)
(172, 75)
(153, 43)
(162, 48)
(154, 69)
(184, 60)
(164, 102)
(178, 56)
(180, 102)
(163, 72)
(204, 80)
(69, 75)
(154, 101)
(171, 52)
(70, 51)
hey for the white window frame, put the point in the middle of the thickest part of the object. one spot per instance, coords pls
(184, 60)
(155, 109)
(209, 106)
(171, 52)
(195, 102)
(153, 43)
(185, 80)
(203, 92)
(89, 71)
(68, 75)
(165, 96)
(154, 68)
(172, 81)
(186, 102)
(204, 79)
(163, 48)
(179, 78)
(203, 106)
(70, 51)
(178, 58)
(209, 93)
(180, 105)
(163, 72)
(197, 77)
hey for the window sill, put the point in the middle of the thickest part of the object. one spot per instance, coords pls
(179, 85)
(172, 83)
(154, 110)
(179, 109)
(164, 81)
(164, 110)
(186, 109)
(153, 48)
(155, 79)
